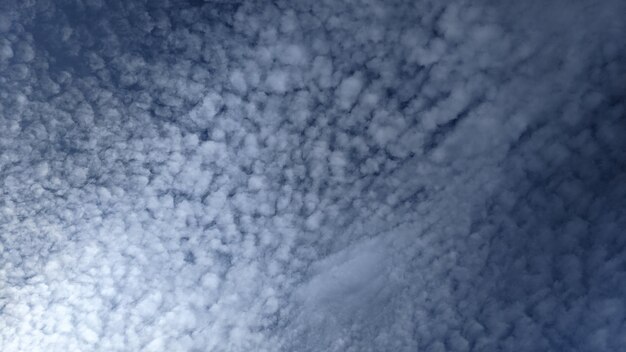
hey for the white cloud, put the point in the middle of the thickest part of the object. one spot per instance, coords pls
(238, 81)
(6, 51)
(277, 81)
(349, 90)
(226, 176)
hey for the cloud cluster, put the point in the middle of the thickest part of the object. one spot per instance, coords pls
(312, 176)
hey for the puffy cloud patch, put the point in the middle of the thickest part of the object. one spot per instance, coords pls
(336, 176)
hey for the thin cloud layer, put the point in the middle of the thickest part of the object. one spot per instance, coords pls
(312, 176)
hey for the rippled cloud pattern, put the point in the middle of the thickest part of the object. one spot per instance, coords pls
(328, 175)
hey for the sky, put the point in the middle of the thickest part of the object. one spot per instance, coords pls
(329, 175)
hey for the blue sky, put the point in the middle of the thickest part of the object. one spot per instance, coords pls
(312, 176)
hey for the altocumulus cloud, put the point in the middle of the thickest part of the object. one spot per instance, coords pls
(305, 175)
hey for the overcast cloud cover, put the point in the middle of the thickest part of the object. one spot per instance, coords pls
(328, 175)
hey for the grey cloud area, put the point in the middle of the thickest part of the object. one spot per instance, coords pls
(312, 175)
